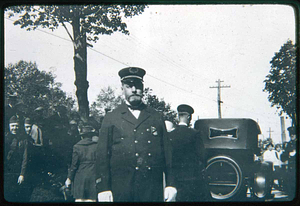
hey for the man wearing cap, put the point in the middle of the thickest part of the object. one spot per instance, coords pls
(133, 149)
(289, 154)
(31, 173)
(15, 162)
(188, 159)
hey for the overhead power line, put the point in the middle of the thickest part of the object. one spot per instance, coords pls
(169, 60)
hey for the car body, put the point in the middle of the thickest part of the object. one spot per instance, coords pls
(231, 146)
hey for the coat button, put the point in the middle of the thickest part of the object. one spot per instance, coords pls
(149, 141)
(136, 168)
(135, 141)
(149, 154)
(134, 130)
(149, 168)
(137, 154)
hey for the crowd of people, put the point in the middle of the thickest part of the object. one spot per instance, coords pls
(283, 161)
(136, 156)
(35, 149)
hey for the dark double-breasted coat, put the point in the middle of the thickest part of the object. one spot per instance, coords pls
(15, 164)
(132, 155)
(188, 165)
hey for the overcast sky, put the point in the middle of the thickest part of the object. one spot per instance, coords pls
(184, 49)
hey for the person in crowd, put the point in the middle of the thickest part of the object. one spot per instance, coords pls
(134, 149)
(59, 152)
(30, 172)
(15, 162)
(27, 128)
(38, 151)
(289, 155)
(73, 131)
(73, 137)
(82, 174)
(269, 157)
(278, 170)
(269, 154)
(278, 152)
(36, 130)
(188, 159)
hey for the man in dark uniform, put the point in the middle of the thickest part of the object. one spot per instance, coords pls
(188, 159)
(133, 149)
(15, 162)
(289, 154)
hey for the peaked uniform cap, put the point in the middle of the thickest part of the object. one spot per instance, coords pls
(291, 130)
(27, 121)
(132, 73)
(185, 108)
(13, 119)
(87, 129)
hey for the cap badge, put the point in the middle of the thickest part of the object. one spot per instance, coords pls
(133, 70)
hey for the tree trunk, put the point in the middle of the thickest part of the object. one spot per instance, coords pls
(80, 67)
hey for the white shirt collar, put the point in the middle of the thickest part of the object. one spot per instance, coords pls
(182, 123)
(136, 113)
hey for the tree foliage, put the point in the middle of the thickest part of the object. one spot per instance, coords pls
(35, 88)
(94, 19)
(160, 105)
(280, 83)
(87, 22)
(108, 99)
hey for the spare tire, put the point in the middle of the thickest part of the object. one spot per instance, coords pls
(225, 177)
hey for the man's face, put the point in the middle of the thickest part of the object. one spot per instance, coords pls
(13, 128)
(27, 128)
(293, 137)
(270, 147)
(133, 92)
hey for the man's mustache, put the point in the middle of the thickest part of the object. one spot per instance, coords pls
(136, 95)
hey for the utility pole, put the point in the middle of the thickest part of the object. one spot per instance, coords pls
(219, 96)
(270, 132)
(283, 135)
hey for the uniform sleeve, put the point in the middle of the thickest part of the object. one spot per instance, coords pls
(25, 158)
(200, 149)
(74, 165)
(285, 155)
(168, 156)
(103, 156)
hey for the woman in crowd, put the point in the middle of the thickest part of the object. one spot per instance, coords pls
(81, 175)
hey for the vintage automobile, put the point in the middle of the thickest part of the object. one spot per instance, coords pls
(233, 171)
